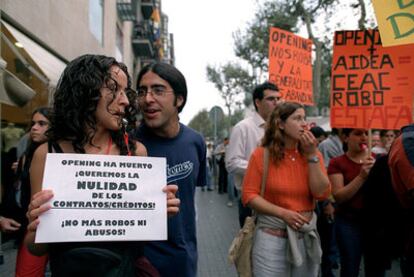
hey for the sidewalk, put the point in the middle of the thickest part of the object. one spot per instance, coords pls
(217, 225)
(9, 259)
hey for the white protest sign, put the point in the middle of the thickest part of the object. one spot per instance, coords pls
(104, 198)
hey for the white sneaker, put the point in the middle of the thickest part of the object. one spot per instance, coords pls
(229, 204)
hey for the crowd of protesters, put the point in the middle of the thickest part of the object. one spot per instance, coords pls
(329, 200)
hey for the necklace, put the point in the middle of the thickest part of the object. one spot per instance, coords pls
(355, 159)
(292, 157)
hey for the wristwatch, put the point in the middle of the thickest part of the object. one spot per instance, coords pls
(314, 159)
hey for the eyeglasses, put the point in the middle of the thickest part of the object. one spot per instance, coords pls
(155, 91)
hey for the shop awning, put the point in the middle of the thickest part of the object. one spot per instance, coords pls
(51, 66)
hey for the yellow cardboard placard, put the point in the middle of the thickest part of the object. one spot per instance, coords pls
(395, 20)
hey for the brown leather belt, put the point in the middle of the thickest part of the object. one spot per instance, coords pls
(281, 233)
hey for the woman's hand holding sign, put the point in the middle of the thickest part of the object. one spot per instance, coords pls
(37, 207)
(173, 203)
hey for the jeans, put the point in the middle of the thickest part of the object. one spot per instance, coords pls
(209, 182)
(230, 187)
(348, 233)
(326, 230)
(407, 266)
(269, 258)
(222, 180)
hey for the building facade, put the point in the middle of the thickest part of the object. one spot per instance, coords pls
(39, 37)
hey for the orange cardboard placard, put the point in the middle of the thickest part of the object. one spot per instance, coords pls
(290, 65)
(371, 86)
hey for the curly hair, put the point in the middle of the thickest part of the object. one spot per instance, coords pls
(274, 137)
(76, 99)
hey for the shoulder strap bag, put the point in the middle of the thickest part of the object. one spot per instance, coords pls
(240, 250)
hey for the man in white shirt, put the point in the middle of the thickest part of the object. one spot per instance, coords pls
(247, 135)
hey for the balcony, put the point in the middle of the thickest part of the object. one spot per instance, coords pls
(142, 47)
(126, 9)
(142, 40)
(147, 7)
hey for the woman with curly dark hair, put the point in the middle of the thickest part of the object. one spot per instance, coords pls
(286, 242)
(92, 98)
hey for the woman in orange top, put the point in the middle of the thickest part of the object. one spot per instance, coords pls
(286, 241)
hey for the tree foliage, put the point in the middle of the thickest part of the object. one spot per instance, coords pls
(203, 123)
(237, 116)
(232, 81)
(364, 10)
(252, 44)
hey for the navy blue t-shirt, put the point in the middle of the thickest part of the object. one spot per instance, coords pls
(186, 167)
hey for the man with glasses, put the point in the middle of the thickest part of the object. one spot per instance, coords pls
(162, 94)
(246, 136)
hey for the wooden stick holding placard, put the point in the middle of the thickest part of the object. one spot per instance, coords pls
(369, 142)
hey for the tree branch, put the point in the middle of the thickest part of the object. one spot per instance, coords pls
(362, 18)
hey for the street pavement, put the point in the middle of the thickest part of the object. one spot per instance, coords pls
(8, 257)
(217, 224)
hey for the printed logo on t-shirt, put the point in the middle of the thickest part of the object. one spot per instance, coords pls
(179, 171)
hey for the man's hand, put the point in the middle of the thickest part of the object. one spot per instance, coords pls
(8, 225)
(173, 203)
(329, 211)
